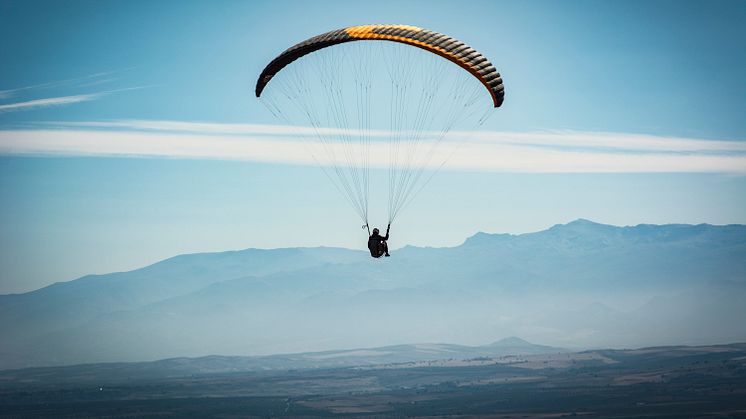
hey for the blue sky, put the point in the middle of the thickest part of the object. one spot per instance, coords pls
(634, 109)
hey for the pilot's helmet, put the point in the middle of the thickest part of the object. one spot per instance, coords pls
(375, 231)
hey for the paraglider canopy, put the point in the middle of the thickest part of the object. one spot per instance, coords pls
(437, 43)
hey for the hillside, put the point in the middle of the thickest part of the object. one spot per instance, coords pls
(580, 284)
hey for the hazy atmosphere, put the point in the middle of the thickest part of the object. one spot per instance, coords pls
(156, 203)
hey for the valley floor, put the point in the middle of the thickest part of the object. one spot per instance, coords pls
(654, 382)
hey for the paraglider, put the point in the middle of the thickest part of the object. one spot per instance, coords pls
(400, 97)
(377, 243)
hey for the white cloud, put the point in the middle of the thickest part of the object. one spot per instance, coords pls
(552, 139)
(609, 140)
(213, 128)
(73, 83)
(543, 152)
(95, 78)
(126, 143)
(43, 103)
(62, 100)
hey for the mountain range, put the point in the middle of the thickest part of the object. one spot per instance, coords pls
(510, 349)
(574, 285)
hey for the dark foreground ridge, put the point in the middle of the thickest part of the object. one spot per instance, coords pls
(680, 381)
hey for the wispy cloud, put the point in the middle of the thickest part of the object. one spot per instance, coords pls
(608, 141)
(78, 83)
(95, 78)
(51, 101)
(214, 128)
(62, 100)
(546, 139)
(542, 152)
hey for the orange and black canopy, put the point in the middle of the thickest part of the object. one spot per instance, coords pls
(437, 43)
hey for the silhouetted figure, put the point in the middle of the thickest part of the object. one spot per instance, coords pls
(377, 243)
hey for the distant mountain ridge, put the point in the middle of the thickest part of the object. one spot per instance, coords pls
(681, 283)
(358, 357)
